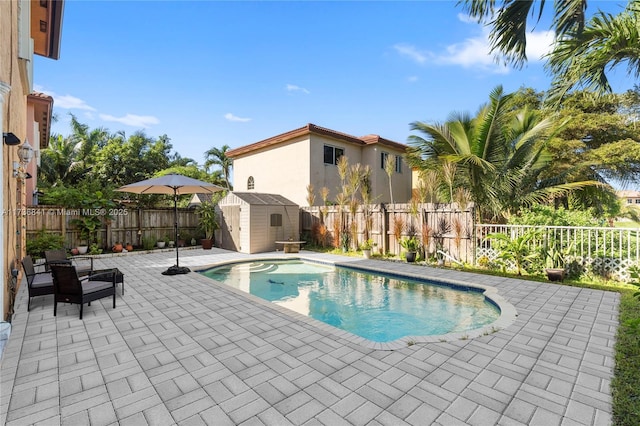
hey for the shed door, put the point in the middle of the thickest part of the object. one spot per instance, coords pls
(230, 228)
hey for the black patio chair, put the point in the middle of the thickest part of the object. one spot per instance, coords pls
(38, 283)
(68, 287)
(83, 264)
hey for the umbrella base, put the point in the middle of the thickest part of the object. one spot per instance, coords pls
(176, 270)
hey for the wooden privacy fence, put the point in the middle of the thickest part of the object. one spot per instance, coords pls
(442, 228)
(124, 225)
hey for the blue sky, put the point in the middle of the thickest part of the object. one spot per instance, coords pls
(211, 73)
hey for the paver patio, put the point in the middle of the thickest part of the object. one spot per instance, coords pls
(186, 350)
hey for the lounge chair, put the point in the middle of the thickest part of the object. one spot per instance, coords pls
(68, 287)
(83, 264)
(39, 283)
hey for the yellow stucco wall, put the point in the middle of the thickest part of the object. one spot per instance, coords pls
(288, 168)
(14, 120)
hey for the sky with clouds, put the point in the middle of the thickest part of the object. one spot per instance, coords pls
(209, 73)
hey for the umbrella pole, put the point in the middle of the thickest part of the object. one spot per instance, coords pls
(175, 270)
(175, 224)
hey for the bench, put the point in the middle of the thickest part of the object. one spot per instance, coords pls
(291, 246)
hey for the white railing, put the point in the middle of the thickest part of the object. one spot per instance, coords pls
(600, 251)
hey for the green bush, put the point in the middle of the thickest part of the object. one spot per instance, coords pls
(43, 241)
(550, 216)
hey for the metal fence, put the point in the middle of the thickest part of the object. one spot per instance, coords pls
(608, 252)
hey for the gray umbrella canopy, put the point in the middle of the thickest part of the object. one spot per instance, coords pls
(172, 184)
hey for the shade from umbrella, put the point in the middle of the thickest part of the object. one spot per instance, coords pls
(172, 184)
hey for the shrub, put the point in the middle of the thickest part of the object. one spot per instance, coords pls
(44, 241)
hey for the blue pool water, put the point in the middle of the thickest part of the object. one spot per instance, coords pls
(377, 307)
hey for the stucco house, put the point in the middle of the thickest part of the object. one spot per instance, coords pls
(629, 197)
(26, 28)
(287, 163)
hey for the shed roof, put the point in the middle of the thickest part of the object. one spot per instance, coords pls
(257, 198)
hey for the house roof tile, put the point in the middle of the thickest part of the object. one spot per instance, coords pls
(313, 129)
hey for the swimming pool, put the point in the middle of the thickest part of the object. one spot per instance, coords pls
(378, 307)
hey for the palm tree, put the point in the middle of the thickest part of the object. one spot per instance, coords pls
(605, 42)
(508, 22)
(499, 156)
(218, 157)
(56, 163)
(583, 51)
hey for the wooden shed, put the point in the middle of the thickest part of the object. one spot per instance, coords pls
(252, 222)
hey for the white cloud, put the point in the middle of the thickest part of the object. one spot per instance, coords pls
(412, 52)
(294, 88)
(232, 117)
(412, 79)
(539, 44)
(132, 120)
(475, 52)
(65, 101)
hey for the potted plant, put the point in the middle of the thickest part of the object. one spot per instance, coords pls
(208, 222)
(117, 248)
(344, 241)
(162, 242)
(366, 247)
(555, 263)
(129, 247)
(411, 245)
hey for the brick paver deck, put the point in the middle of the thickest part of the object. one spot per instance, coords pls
(186, 350)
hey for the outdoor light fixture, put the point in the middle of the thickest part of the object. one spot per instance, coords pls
(25, 153)
(10, 139)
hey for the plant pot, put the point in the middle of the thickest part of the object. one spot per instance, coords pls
(181, 243)
(117, 248)
(172, 244)
(366, 253)
(207, 244)
(129, 247)
(555, 274)
(410, 256)
(160, 244)
(83, 249)
(74, 251)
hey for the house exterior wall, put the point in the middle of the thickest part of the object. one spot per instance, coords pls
(325, 174)
(15, 81)
(282, 170)
(288, 168)
(400, 182)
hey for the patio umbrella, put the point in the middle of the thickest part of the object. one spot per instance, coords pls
(172, 184)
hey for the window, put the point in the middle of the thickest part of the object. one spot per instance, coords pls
(383, 159)
(250, 183)
(637, 200)
(276, 219)
(332, 154)
(398, 164)
(629, 201)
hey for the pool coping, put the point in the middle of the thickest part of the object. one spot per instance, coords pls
(508, 313)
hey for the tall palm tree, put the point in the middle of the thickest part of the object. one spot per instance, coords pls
(56, 163)
(583, 59)
(508, 22)
(218, 157)
(583, 51)
(499, 156)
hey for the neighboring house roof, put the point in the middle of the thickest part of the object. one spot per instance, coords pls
(313, 129)
(628, 194)
(43, 106)
(256, 198)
